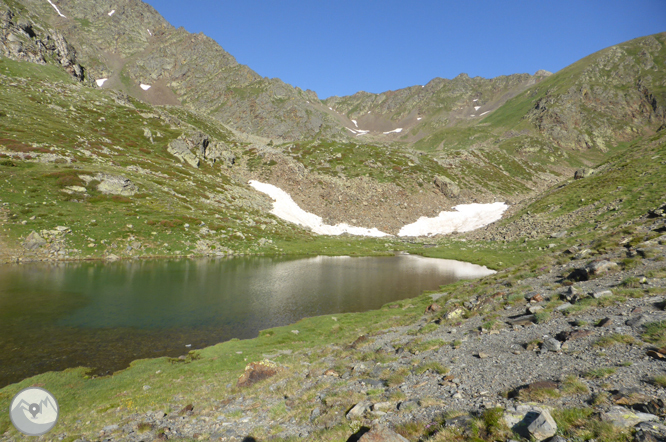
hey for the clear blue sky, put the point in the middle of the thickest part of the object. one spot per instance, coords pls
(340, 47)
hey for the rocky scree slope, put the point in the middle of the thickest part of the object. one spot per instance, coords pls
(480, 360)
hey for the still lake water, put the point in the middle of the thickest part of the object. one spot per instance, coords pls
(105, 315)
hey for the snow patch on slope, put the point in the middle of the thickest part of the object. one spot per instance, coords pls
(466, 217)
(56, 8)
(100, 81)
(355, 123)
(113, 11)
(483, 113)
(286, 208)
(145, 87)
(476, 108)
(397, 131)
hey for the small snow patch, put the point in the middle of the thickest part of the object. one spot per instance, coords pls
(56, 8)
(355, 123)
(397, 131)
(466, 217)
(419, 119)
(330, 108)
(285, 208)
(100, 82)
(477, 108)
(112, 12)
(484, 113)
(149, 33)
(472, 115)
(361, 132)
(476, 99)
(350, 130)
(145, 87)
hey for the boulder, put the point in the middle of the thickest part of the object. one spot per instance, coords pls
(446, 186)
(551, 344)
(116, 185)
(34, 241)
(358, 410)
(625, 418)
(543, 426)
(582, 173)
(112, 184)
(381, 433)
(179, 149)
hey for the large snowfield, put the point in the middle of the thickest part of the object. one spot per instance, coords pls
(466, 217)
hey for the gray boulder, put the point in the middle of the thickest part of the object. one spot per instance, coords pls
(543, 426)
(446, 186)
(112, 184)
(34, 241)
(582, 173)
(180, 149)
(625, 418)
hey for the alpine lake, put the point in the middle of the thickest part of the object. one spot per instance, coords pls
(55, 316)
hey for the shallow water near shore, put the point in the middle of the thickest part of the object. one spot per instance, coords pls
(105, 315)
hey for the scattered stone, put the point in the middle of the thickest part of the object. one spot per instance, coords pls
(543, 426)
(534, 309)
(602, 294)
(455, 314)
(383, 406)
(381, 433)
(482, 355)
(551, 344)
(112, 184)
(563, 307)
(432, 308)
(640, 320)
(459, 422)
(358, 410)
(625, 418)
(407, 405)
(606, 322)
(522, 320)
(629, 396)
(572, 335)
(109, 428)
(373, 383)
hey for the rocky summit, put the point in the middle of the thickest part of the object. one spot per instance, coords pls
(122, 137)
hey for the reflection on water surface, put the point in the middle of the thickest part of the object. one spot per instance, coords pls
(104, 315)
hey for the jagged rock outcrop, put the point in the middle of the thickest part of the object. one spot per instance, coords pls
(22, 39)
(112, 184)
(446, 186)
(624, 87)
(196, 147)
